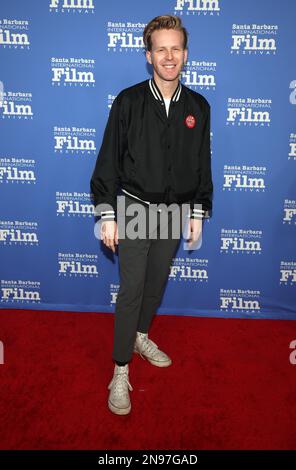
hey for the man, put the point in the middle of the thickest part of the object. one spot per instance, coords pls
(156, 149)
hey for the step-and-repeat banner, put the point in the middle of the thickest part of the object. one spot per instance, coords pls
(62, 63)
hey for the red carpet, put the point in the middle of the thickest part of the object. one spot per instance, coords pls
(231, 385)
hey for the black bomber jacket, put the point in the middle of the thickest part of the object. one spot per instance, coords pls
(152, 156)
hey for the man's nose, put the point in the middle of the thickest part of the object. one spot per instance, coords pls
(169, 54)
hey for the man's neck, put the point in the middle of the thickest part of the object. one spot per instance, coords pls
(166, 87)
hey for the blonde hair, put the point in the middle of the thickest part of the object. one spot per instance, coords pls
(163, 22)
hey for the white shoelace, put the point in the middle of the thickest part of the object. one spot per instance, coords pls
(120, 381)
(149, 346)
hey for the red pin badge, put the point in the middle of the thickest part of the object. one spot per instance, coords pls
(190, 121)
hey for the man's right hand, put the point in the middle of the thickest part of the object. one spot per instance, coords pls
(109, 234)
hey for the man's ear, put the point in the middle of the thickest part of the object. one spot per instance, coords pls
(185, 55)
(148, 57)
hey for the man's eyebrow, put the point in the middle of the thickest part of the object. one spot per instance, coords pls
(164, 47)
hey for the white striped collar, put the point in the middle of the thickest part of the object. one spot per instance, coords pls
(157, 93)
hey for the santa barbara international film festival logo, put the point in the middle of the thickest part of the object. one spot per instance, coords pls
(77, 265)
(72, 6)
(197, 7)
(248, 112)
(16, 105)
(244, 178)
(241, 241)
(125, 36)
(21, 292)
(200, 75)
(74, 204)
(240, 300)
(114, 289)
(289, 216)
(288, 273)
(254, 39)
(186, 269)
(72, 72)
(74, 140)
(15, 170)
(18, 232)
(14, 34)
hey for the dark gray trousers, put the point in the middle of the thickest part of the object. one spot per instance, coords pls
(144, 266)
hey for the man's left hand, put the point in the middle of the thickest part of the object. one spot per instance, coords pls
(195, 230)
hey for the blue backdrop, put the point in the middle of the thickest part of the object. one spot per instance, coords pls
(62, 64)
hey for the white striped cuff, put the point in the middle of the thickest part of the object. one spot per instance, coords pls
(107, 215)
(199, 214)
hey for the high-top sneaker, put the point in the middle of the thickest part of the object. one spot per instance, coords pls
(119, 400)
(149, 350)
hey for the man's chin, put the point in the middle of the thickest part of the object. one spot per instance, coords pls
(169, 78)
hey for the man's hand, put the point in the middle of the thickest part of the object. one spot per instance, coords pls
(109, 234)
(195, 230)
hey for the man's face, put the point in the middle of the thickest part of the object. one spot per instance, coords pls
(167, 54)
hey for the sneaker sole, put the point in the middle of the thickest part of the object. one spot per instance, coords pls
(158, 364)
(119, 411)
